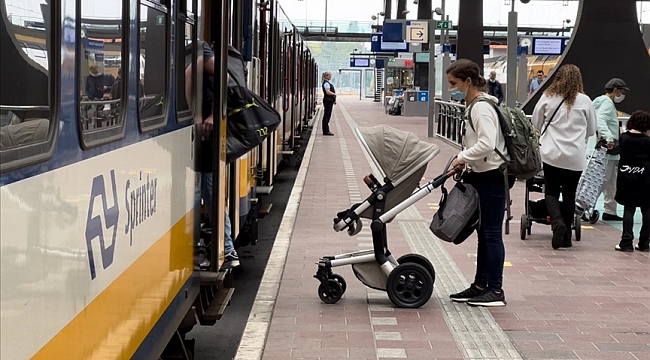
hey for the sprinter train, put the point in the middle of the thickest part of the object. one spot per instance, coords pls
(99, 207)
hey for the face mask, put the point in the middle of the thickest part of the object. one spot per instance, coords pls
(493, 80)
(457, 95)
(619, 98)
(94, 74)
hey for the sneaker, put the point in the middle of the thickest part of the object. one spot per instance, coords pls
(489, 298)
(624, 248)
(231, 260)
(467, 294)
(645, 248)
(610, 217)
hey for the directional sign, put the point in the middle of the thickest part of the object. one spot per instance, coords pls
(443, 25)
(417, 34)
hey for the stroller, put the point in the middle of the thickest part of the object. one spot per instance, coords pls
(536, 209)
(402, 160)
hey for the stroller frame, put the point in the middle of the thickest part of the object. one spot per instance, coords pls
(408, 280)
(536, 184)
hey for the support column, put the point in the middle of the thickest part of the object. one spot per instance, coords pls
(470, 31)
(424, 9)
(401, 7)
(388, 9)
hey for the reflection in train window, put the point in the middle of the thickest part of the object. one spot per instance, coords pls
(186, 54)
(153, 64)
(101, 106)
(26, 117)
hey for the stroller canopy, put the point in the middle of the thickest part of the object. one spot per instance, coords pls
(398, 153)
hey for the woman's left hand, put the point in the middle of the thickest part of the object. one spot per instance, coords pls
(457, 165)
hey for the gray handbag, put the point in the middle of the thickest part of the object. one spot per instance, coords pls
(459, 213)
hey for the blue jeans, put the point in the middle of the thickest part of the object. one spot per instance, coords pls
(206, 194)
(491, 252)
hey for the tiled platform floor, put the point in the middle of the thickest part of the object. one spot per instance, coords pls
(586, 302)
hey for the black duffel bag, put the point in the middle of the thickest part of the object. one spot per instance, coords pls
(250, 118)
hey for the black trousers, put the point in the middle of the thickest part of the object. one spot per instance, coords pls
(327, 115)
(628, 227)
(562, 181)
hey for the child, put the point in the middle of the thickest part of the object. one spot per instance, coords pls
(633, 185)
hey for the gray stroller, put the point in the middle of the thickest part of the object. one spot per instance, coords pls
(401, 159)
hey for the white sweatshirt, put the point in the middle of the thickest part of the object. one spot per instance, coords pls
(564, 145)
(479, 145)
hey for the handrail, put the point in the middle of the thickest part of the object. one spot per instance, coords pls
(450, 118)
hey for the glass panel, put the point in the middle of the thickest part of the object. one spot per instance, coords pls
(25, 113)
(153, 63)
(101, 65)
(185, 93)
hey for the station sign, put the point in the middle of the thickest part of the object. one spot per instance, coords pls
(443, 25)
(417, 32)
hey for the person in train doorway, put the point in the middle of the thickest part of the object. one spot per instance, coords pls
(609, 129)
(207, 61)
(494, 87)
(536, 82)
(329, 100)
(481, 139)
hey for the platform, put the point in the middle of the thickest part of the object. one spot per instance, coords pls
(585, 302)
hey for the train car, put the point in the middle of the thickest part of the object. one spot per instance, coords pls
(99, 194)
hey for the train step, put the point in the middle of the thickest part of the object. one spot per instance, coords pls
(285, 152)
(218, 305)
(215, 293)
(264, 190)
(264, 210)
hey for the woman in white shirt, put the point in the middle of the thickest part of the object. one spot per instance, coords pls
(480, 139)
(566, 118)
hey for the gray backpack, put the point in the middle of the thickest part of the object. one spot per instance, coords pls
(459, 213)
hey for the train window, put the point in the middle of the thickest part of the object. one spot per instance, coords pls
(101, 88)
(153, 64)
(27, 78)
(186, 55)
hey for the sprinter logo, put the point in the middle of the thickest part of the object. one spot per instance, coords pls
(95, 227)
(140, 203)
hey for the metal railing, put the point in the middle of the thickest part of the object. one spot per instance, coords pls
(450, 122)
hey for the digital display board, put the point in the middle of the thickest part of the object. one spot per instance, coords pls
(549, 45)
(377, 44)
(359, 62)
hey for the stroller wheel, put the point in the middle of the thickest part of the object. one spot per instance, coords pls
(578, 227)
(595, 216)
(409, 285)
(418, 259)
(523, 227)
(333, 295)
(338, 278)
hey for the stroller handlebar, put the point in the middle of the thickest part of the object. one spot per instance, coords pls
(437, 182)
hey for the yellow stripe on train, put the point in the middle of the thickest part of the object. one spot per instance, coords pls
(115, 324)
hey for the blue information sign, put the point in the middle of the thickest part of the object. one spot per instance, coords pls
(423, 96)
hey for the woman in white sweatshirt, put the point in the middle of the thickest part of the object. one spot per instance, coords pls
(566, 118)
(480, 139)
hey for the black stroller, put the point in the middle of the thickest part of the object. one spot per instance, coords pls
(536, 209)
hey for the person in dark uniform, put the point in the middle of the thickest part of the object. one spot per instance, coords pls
(329, 99)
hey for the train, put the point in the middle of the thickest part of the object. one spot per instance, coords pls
(100, 208)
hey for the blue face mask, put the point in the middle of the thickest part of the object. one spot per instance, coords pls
(457, 95)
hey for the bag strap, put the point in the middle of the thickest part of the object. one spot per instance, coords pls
(496, 109)
(551, 119)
